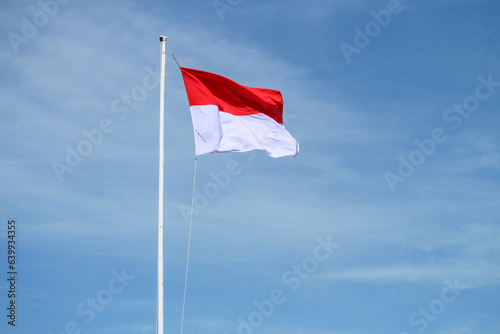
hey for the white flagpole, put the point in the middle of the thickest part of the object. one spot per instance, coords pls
(160, 315)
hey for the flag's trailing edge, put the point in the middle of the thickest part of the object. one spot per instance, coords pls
(229, 117)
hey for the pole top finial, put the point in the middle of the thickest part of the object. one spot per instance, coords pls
(163, 38)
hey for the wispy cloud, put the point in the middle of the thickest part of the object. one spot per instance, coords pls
(472, 275)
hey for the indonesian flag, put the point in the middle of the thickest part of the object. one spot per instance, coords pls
(229, 117)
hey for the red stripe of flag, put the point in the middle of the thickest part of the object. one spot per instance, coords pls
(204, 88)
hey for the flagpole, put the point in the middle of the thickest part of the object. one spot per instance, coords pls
(160, 315)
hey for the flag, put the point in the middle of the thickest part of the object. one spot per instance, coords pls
(229, 117)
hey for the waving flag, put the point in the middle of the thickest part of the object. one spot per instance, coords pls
(229, 117)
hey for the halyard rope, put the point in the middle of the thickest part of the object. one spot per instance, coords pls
(189, 244)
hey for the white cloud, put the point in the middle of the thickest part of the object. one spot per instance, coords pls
(470, 275)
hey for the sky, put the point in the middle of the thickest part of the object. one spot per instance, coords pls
(387, 221)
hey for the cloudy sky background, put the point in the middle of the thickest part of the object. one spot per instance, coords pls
(356, 115)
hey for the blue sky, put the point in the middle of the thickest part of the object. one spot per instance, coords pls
(386, 221)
